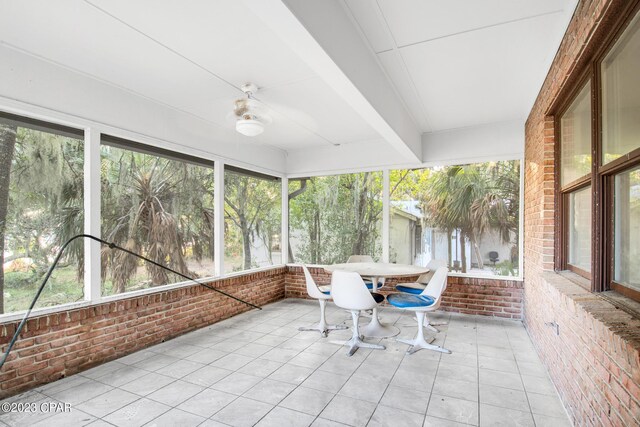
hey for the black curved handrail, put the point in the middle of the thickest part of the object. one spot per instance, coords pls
(111, 246)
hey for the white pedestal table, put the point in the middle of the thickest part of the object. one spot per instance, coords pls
(377, 271)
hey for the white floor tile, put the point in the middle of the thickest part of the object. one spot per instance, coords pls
(258, 368)
(176, 417)
(242, 412)
(348, 411)
(207, 402)
(385, 416)
(307, 400)
(137, 413)
(502, 417)
(282, 417)
(449, 408)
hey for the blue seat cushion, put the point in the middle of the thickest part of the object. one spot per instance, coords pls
(410, 301)
(325, 289)
(408, 290)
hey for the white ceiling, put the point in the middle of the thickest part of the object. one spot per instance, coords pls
(453, 64)
(462, 63)
(193, 59)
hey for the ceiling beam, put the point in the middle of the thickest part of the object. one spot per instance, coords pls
(322, 35)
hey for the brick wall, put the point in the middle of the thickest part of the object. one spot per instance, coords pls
(594, 361)
(501, 298)
(64, 343)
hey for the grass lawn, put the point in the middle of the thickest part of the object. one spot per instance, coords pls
(20, 288)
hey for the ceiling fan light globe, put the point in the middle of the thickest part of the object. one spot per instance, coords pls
(249, 127)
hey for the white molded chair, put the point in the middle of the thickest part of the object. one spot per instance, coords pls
(365, 258)
(349, 291)
(417, 287)
(322, 294)
(428, 300)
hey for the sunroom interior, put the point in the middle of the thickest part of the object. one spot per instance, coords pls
(247, 150)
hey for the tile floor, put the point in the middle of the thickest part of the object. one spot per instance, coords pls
(257, 369)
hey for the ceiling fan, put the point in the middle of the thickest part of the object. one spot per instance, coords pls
(249, 114)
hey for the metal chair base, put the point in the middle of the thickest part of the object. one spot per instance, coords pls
(419, 342)
(322, 326)
(356, 341)
(324, 330)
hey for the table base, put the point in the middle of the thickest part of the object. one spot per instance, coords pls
(375, 329)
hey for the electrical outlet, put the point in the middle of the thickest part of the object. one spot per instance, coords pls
(555, 326)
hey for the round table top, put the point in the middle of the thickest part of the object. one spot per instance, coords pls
(379, 269)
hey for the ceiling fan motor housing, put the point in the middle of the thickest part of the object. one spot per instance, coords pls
(249, 88)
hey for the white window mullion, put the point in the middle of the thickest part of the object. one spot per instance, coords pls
(92, 279)
(385, 215)
(218, 214)
(284, 240)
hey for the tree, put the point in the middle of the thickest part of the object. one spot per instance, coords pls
(7, 145)
(155, 206)
(252, 205)
(293, 195)
(336, 216)
(45, 185)
(473, 199)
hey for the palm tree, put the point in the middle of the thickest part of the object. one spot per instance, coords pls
(141, 213)
(473, 199)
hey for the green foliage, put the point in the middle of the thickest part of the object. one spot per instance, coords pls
(505, 268)
(473, 199)
(159, 207)
(336, 216)
(19, 279)
(45, 202)
(252, 216)
(20, 287)
(46, 191)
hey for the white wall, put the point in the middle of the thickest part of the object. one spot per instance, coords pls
(330, 160)
(401, 239)
(36, 87)
(497, 141)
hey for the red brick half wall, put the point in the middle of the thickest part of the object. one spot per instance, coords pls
(488, 297)
(56, 345)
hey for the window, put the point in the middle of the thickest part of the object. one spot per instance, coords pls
(334, 217)
(156, 205)
(253, 218)
(41, 207)
(468, 215)
(599, 196)
(575, 125)
(621, 96)
(627, 229)
(575, 179)
(579, 228)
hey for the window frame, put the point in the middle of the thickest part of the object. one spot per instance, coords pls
(108, 140)
(520, 230)
(602, 177)
(55, 128)
(563, 193)
(226, 168)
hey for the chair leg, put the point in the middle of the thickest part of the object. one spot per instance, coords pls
(431, 325)
(419, 342)
(356, 342)
(431, 328)
(323, 327)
